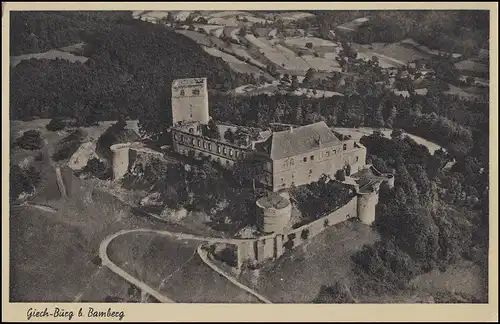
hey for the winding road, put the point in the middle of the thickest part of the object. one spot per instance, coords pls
(145, 288)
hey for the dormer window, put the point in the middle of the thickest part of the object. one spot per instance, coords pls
(345, 147)
(196, 92)
(182, 92)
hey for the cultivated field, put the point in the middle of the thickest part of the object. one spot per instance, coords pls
(389, 55)
(241, 51)
(302, 41)
(353, 25)
(462, 93)
(235, 64)
(322, 64)
(425, 49)
(196, 36)
(229, 21)
(472, 66)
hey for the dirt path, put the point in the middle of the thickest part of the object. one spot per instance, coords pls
(103, 253)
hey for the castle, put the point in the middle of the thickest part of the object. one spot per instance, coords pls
(287, 156)
(291, 157)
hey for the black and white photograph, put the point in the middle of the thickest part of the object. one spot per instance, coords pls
(248, 157)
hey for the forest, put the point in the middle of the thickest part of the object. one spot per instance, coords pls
(130, 68)
(431, 219)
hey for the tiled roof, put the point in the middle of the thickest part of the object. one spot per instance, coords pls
(299, 140)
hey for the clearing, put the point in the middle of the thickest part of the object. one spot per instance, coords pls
(234, 63)
(50, 55)
(425, 49)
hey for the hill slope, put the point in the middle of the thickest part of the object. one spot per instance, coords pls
(130, 68)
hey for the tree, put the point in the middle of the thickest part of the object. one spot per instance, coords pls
(396, 133)
(56, 124)
(30, 140)
(121, 123)
(229, 135)
(213, 129)
(295, 83)
(309, 76)
(249, 168)
(98, 169)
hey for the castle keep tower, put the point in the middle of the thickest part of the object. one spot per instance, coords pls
(190, 100)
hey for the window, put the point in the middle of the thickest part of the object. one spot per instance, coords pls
(310, 171)
(230, 152)
(218, 149)
(191, 130)
(204, 144)
(357, 158)
(235, 154)
(192, 141)
(312, 157)
(320, 155)
(283, 180)
(199, 143)
(218, 159)
(182, 92)
(327, 154)
(345, 147)
(227, 162)
(224, 150)
(305, 159)
(334, 152)
(291, 162)
(210, 146)
(196, 92)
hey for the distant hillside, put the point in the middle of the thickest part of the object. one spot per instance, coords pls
(130, 68)
(35, 32)
(458, 31)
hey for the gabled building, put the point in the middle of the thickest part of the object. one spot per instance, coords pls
(296, 156)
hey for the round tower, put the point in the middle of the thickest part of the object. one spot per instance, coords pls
(120, 159)
(274, 213)
(367, 201)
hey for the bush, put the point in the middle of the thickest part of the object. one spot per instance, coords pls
(385, 262)
(56, 124)
(31, 140)
(98, 169)
(68, 145)
(340, 175)
(339, 293)
(22, 181)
